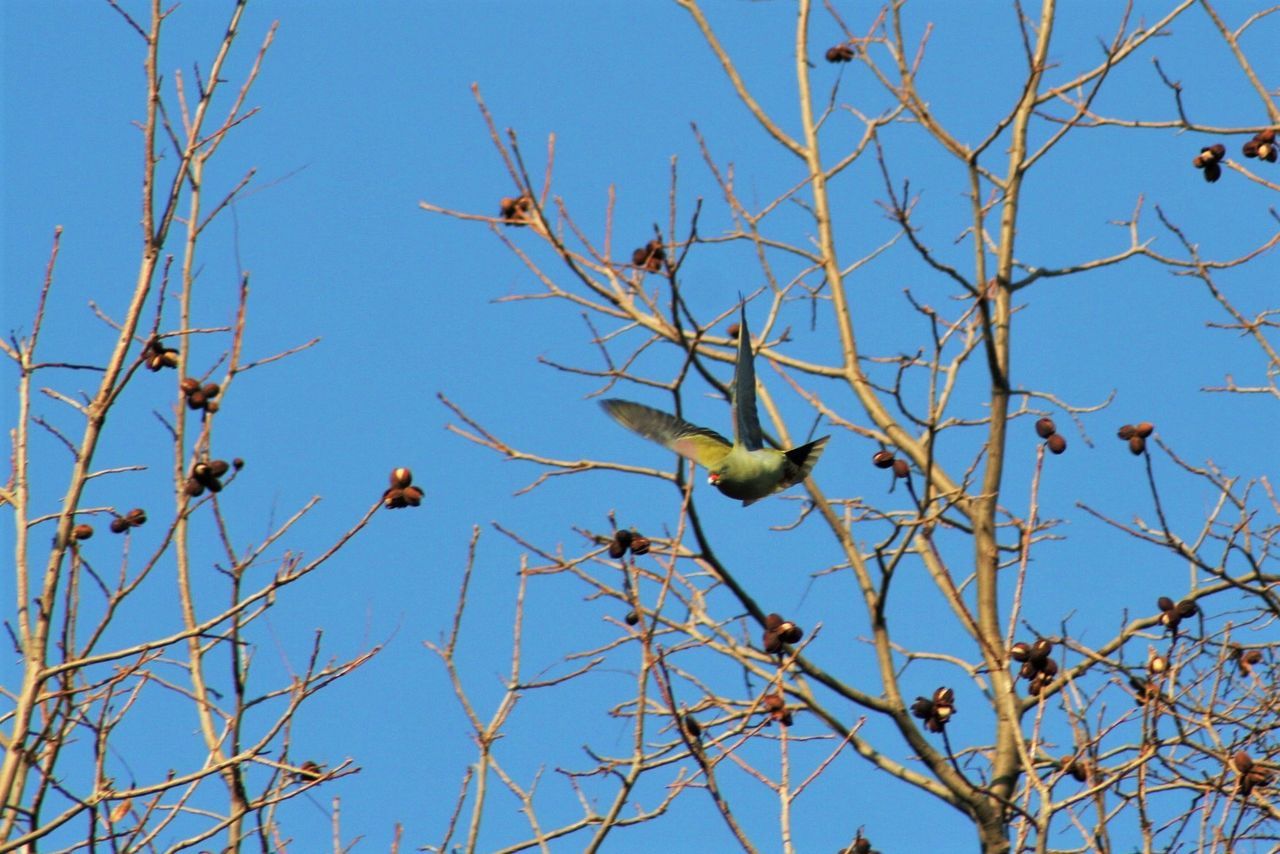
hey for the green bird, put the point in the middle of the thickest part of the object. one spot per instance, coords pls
(744, 469)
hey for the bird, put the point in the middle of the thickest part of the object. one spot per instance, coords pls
(743, 469)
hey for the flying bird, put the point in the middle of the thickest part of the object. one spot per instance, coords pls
(743, 469)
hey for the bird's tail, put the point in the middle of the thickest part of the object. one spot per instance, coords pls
(804, 458)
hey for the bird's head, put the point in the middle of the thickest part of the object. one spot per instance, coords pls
(714, 478)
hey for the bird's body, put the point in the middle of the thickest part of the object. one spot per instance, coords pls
(743, 469)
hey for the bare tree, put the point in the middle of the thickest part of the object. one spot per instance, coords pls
(1162, 732)
(107, 678)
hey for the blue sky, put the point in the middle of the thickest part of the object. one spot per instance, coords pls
(365, 112)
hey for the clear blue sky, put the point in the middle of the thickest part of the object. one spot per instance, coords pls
(366, 110)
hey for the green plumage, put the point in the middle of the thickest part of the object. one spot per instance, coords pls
(744, 469)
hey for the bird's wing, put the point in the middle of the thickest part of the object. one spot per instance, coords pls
(746, 423)
(705, 447)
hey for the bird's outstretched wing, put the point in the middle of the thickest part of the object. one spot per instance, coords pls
(746, 422)
(705, 447)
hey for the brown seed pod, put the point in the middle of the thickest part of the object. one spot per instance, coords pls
(136, 516)
(655, 256)
(1057, 443)
(1157, 664)
(394, 498)
(237, 464)
(1049, 668)
(1164, 603)
(1036, 685)
(620, 543)
(776, 705)
(1208, 159)
(1045, 427)
(791, 633)
(1137, 445)
(839, 53)
(632, 618)
(1028, 670)
(901, 468)
(692, 726)
(1209, 155)
(196, 400)
(212, 406)
(516, 211)
(119, 525)
(1144, 429)
(189, 385)
(1077, 768)
(882, 459)
(1040, 651)
(638, 257)
(401, 477)
(1020, 651)
(82, 532)
(211, 390)
(640, 545)
(1125, 432)
(733, 330)
(773, 621)
(1242, 761)
(922, 708)
(771, 642)
(944, 706)
(193, 488)
(1248, 658)
(169, 359)
(413, 495)
(310, 771)
(1257, 778)
(214, 485)
(218, 468)
(1144, 691)
(1188, 608)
